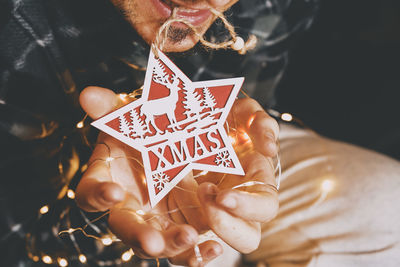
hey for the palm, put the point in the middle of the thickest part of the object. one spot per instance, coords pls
(115, 180)
(182, 205)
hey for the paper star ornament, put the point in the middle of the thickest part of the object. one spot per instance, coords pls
(177, 125)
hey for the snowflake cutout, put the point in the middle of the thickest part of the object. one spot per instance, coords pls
(160, 180)
(223, 159)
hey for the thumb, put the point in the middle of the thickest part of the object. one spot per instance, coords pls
(240, 234)
(97, 101)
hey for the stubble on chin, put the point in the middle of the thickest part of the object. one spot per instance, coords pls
(176, 35)
(129, 9)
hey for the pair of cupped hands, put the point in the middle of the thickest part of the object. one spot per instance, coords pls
(197, 205)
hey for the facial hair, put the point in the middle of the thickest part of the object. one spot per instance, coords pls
(176, 34)
(128, 8)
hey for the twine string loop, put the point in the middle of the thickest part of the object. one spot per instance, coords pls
(235, 42)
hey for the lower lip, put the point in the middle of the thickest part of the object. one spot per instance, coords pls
(195, 17)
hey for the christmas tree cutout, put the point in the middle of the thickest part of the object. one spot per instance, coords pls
(139, 128)
(192, 102)
(124, 126)
(209, 100)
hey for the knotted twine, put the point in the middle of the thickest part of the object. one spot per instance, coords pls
(235, 42)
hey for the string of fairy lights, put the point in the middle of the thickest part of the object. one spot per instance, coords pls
(105, 237)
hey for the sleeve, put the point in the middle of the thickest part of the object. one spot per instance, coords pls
(35, 113)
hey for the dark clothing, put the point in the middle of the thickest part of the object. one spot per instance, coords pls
(51, 49)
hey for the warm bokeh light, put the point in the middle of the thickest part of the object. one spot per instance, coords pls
(80, 125)
(286, 117)
(47, 259)
(82, 258)
(62, 262)
(203, 172)
(327, 185)
(84, 168)
(233, 140)
(140, 212)
(250, 121)
(35, 258)
(70, 194)
(123, 96)
(106, 241)
(109, 159)
(44, 209)
(127, 255)
(245, 137)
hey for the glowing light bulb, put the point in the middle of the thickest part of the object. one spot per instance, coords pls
(82, 258)
(80, 125)
(62, 262)
(251, 121)
(35, 258)
(127, 255)
(123, 96)
(70, 194)
(203, 172)
(233, 140)
(106, 241)
(140, 212)
(60, 167)
(286, 117)
(245, 137)
(84, 168)
(44, 209)
(47, 259)
(327, 185)
(109, 159)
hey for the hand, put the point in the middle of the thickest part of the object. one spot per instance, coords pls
(157, 237)
(235, 214)
(119, 186)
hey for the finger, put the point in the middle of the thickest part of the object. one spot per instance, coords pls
(94, 195)
(185, 196)
(242, 235)
(176, 214)
(96, 191)
(263, 130)
(97, 101)
(209, 250)
(136, 233)
(260, 207)
(245, 110)
(259, 171)
(179, 238)
(253, 197)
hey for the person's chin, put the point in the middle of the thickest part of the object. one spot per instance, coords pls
(182, 45)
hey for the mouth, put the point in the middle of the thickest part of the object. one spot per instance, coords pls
(194, 16)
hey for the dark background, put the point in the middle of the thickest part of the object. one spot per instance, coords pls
(343, 79)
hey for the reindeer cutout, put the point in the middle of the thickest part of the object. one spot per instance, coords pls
(165, 105)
